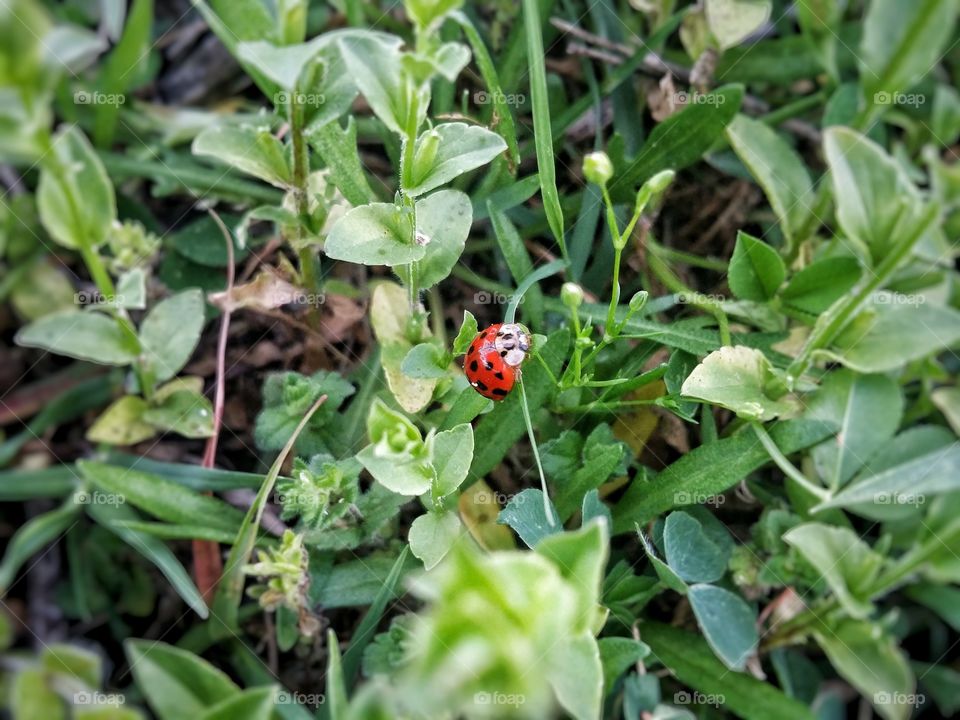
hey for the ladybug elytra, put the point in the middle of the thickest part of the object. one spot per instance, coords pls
(492, 364)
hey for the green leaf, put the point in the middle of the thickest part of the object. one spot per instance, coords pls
(456, 148)
(177, 683)
(867, 411)
(690, 660)
(690, 551)
(902, 42)
(72, 661)
(396, 456)
(680, 140)
(110, 515)
(846, 562)
(821, 284)
(427, 13)
(338, 148)
(542, 134)
(728, 623)
(375, 67)
(336, 683)
(737, 378)
(443, 222)
(908, 482)
(360, 582)
(617, 654)
(282, 64)
(170, 333)
(87, 336)
(202, 241)
(872, 662)
(468, 331)
(132, 290)
(778, 169)
(122, 423)
(581, 557)
(710, 470)
(947, 400)
(33, 536)
(75, 197)
(525, 514)
(424, 361)
(876, 201)
(255, 151)
(576, 466)
(252, 704)
(895, 334)
(756, 270)
(432, 535)
(31, 698)
(451, 452)
(667, 575)
(576, 674)
(732, 21)
(184, 412)
(374, 234)
(160, 497)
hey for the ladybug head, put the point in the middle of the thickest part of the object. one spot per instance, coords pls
(512, 342)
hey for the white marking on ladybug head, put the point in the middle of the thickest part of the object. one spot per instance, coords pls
(512, 342)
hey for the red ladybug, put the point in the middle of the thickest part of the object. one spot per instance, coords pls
(492, 364)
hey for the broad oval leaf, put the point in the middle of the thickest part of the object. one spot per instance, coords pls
(255, 151)
(432, 535)
(83, 335)
(756, 270)
(443, 222)
(728, 623)
(374, 234)
(170, 333)
(459, 149)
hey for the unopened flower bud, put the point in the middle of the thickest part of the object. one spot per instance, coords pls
(571, 295)
(597, 168)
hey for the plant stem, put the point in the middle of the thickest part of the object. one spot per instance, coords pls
(784, 464)
(309, 270)
(841, 313)
(547, 511)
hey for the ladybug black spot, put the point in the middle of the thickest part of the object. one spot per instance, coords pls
(474, 366)
(503, 353)
(500, 392)
(481, 385)
(488, 365)
(498, 376)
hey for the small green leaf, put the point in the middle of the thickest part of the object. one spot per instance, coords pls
(184, 412)
(443, 222)
(617, 654)
(374, 234)
(820, 284)
(870, 660)
(451, 452)
(83, 335)
(777, 168)
(576, 674)
(338, 148)
(690, 551)
(122, 423)
(756, 270)
(32, 536)
(31, 697)
(468, 331)
(738, 378)
(177, 683)
(460, 148)
(432, 535)
(732, 21)
(525, 514)
(252, 704)
(424, 361)
(667, 575)
(255, 151)
(846, 562)
(170, 333)
(75, 197)
(375, 67)
(728, 623)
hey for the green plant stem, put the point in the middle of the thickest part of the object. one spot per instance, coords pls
(666, 276)
(794, 109)
(548, 513)
(669, 254)
(309, 270)
(841, 313)
(785, 465)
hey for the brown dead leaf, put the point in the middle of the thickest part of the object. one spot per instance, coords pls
(479, 507)
(265, 292)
